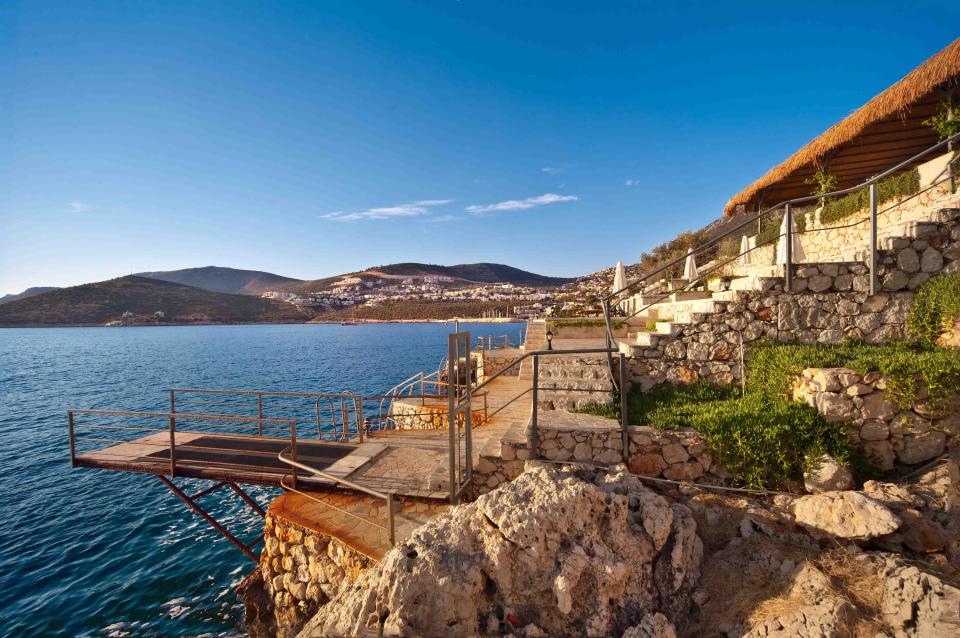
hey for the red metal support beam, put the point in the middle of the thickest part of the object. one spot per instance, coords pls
(207, 517)
(247, 499)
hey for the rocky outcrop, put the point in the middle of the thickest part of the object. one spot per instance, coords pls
(558, 551)
(885, 433)
(827, 475)
(850, 515)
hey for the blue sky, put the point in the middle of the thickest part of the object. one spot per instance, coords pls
(314, 138)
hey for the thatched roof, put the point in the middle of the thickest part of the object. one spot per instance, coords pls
(883, 132)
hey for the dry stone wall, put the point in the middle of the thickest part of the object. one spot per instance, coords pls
(303, 569)
(678, 455)
(829, 302)
(887, 434)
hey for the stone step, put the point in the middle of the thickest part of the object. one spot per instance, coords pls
(579, 385)
(585, 372)
(755, 283)
(567, 400)
(731, 295)
(662, 327)
(688, 295)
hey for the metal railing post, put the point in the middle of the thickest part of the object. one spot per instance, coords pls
(453, 353)
(624, 417)
(788, 261)
(173, 442)
(73, 451)
(361, 425)
(873, 238)
(390, 519)
(534, 435)
(293, 451)
(260, 413)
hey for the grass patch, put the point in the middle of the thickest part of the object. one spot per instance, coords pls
(759, 442)
(935, 308)
(585, 323)
(763, 438)
(889, 188)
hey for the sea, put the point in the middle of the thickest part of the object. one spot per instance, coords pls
(86, 552)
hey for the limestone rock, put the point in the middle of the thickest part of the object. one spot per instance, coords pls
(877, 407)
(835, 407)
(652, 626)
(827, 476)
(569, 550)
(850, 515)
(918, 448)
(917, 604)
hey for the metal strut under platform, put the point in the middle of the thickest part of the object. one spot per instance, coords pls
(191, 501)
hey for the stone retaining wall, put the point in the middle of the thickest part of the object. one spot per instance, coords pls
(491, 362)
(303, 569)
(568, 437)
(410, 414)
(829, 302)
(886, 434)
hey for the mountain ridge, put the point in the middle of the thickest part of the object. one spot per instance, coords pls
(481, 272)
(29, 292)
(141, 297)
(234, 281)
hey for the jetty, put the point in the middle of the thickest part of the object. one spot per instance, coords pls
(363, 469)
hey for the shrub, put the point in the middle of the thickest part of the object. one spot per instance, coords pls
(943, 123)
(935, 307)
(889, 188)
(765, 438)
(770, 224)
(759, 442)
(907, 367)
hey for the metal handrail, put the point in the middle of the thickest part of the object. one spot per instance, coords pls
(787, 206)
(706, 273)
(789, 202)
(172, 418)
(345, 398)
(387, 496)
(540, 353)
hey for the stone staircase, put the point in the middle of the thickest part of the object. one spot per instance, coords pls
(673, 312)
(572, 381)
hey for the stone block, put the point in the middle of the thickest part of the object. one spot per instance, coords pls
(646, 464)
(917, 448)
(674, 453)
(690, 471)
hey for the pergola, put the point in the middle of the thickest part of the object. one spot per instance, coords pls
(885, 131)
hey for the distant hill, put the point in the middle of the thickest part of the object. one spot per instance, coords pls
(29, 292)
(479, 273)
(219, 279)
(98, 303)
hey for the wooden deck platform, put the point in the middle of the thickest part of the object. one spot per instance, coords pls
(225, 457)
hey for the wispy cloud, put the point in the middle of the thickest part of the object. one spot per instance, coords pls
(551, 170)
(77, 206)
(632, 182)
(413, 209)
(522, 204)
(441, 218)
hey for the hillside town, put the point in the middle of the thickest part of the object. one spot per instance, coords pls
(356, 291)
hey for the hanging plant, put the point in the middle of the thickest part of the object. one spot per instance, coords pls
(947, 121)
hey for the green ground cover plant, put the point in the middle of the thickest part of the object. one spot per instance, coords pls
(888, 189)
(935, 307)
(761, 436)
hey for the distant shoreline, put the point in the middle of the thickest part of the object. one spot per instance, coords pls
(262, 323)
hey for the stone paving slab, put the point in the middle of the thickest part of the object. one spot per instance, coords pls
(357, 520)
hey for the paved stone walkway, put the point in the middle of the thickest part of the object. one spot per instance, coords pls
(359, 521)
(414, 464)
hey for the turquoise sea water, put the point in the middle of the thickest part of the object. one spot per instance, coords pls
(94, 553)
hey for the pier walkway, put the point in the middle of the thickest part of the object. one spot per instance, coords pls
(412, 466)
